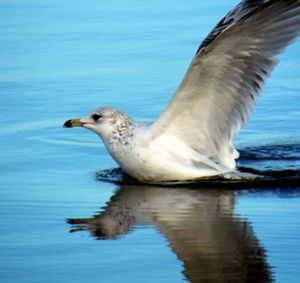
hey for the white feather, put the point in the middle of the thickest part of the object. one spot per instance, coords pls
(219, 89)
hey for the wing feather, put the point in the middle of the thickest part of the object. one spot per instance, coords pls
(219, 89)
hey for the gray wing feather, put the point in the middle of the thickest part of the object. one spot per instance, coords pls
(219, 89)
(242, 10)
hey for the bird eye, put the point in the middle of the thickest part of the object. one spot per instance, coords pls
(96, 117)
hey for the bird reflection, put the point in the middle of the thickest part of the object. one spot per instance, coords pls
(214, 244)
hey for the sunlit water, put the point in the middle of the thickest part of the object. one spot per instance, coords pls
(60, 59)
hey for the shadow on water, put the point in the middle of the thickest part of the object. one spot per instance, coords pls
(214, 243)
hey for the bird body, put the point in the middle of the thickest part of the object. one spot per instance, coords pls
(164, 160)
(193, 136)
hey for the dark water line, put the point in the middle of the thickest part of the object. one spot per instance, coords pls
(280, 152)
(264, 166)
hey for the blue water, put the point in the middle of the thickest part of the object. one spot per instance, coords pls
(60, 59)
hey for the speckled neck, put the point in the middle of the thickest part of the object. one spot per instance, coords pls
(123, 132)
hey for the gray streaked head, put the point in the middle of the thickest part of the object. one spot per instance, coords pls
(103, 121)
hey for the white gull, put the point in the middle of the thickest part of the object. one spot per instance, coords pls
(192, 138)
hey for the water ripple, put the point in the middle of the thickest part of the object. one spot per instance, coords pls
(265, 166)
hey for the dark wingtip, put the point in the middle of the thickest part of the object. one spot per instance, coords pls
(68, 124)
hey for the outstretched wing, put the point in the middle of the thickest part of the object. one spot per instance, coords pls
(219, 89)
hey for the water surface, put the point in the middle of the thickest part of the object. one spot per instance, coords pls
(60, 60)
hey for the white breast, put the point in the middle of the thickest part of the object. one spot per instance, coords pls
(165, 160)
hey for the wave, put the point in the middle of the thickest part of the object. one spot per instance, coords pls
(263, 166)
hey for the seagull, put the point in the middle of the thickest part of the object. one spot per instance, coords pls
(192, 138)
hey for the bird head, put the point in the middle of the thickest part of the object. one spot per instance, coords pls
(102, 121)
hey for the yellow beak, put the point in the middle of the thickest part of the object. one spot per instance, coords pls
(73, 123)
